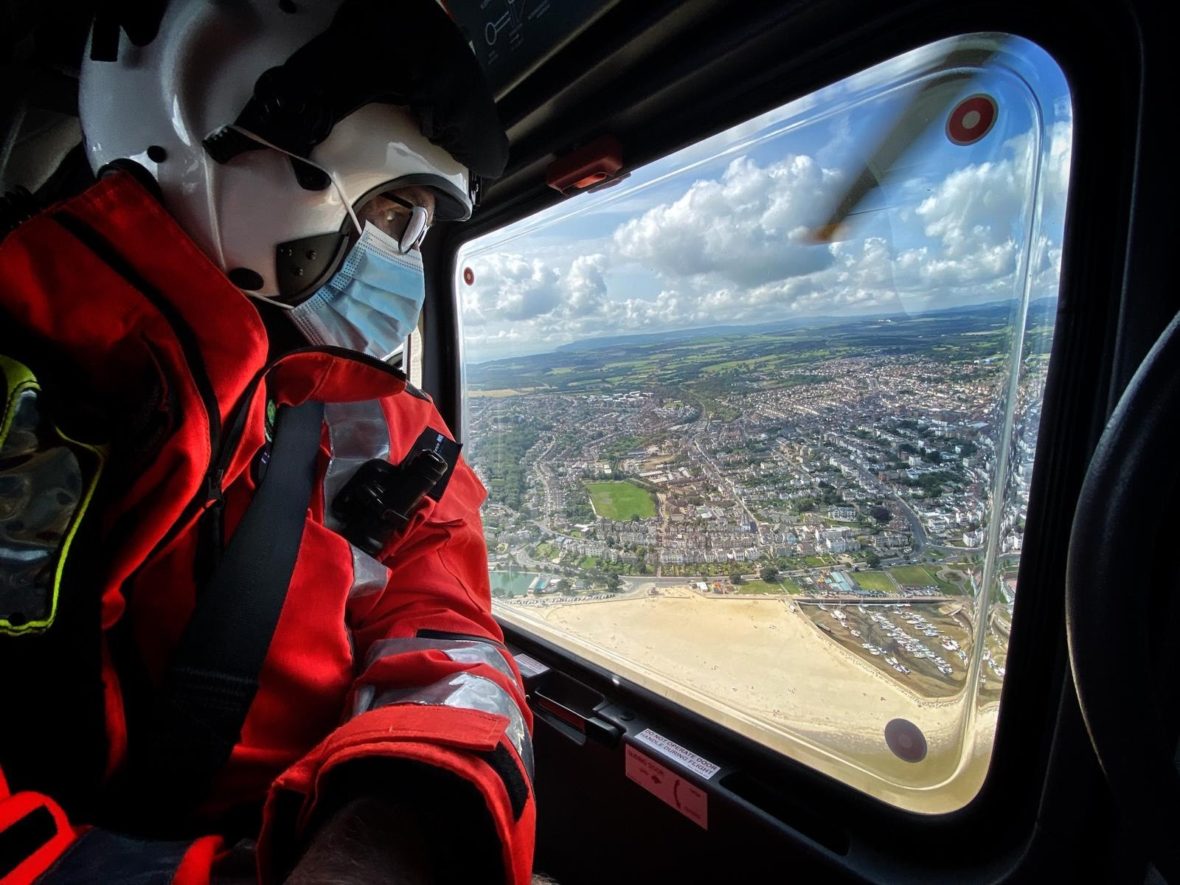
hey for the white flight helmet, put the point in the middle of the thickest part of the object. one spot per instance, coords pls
(350, 85)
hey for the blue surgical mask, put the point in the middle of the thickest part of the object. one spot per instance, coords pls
(372, 303)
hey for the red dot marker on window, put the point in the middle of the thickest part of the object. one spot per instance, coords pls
(971, 119)
(905, 740)
(468, 276)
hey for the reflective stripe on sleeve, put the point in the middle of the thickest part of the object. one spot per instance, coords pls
(467, 651)
(357, 433)
(368, 575)
(464, 689)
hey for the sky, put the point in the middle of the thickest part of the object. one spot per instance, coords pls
(721, 233)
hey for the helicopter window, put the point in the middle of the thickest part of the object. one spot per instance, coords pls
(758, 424)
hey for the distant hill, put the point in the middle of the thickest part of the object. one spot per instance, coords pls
(673, 335)
(1040, 311)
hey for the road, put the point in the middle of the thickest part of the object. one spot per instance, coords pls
(916, 529)
(871, 484)
(543, 473)
(721, 479)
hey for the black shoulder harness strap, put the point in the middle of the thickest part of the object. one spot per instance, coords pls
(213, 678)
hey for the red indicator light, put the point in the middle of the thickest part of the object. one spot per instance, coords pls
(595, 163)
(590, 179)
(468, 276)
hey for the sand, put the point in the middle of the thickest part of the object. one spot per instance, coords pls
(766, 671)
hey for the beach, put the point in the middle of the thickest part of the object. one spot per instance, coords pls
(759, 666)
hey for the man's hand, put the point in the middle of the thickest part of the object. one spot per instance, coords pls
(367, 841)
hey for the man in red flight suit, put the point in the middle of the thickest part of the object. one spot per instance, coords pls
(296, 153)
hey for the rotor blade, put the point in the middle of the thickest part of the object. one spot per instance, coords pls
(929, 103)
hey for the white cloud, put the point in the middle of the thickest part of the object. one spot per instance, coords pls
(1058, 164)
(746, 228)
(585, 286)
(979, 212)
(513, 287)
(974, 208)
(510, 287)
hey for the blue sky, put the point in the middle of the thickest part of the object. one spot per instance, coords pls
(720, 233)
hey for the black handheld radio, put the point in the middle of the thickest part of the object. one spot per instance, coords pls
(379, 499)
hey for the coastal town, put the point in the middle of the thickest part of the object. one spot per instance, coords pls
(856, 482)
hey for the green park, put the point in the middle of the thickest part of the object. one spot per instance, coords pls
(621, 500)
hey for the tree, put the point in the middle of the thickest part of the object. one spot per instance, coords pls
(613, 583)
(879, 513)
(769, 574)
(872, 559)
(736, 578)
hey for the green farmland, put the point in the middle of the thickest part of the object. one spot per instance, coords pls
(621, 500)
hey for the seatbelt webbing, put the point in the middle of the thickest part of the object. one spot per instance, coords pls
(213, 678)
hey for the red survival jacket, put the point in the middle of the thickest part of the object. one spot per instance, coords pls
(394, 656)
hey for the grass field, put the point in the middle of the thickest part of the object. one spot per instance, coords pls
(545, 550)
(756, 586)
(875, 581)
(916, 576)
(621, 500)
